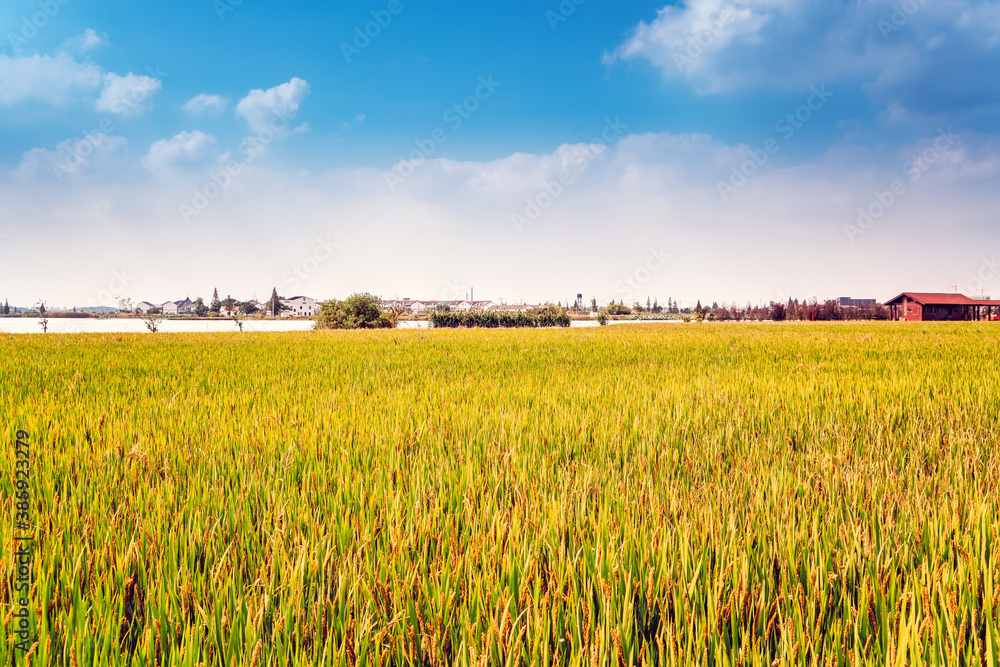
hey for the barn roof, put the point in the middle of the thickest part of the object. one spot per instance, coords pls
(940, 299)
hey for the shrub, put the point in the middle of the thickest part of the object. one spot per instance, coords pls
(490, 319)
(618, 309)
(358, 311)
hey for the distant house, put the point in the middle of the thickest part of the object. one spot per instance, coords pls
(848, 302)
(500, 308)
(423, 306)
(393, 304)
(299, 306)
(185, 307)
(938, 307)
(456, 305)
(169, 308)
(481, 305)
(142, 306)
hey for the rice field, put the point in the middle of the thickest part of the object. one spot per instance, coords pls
(648, 495)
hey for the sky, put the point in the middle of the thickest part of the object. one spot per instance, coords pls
(716, 150)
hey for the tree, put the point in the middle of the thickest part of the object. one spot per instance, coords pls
(151, 318)
(44, 321)
(247, 308)
(228, 304)
(216, 305)
(394, 310)
(649, 306)
(778, 312)
(358, 311)
(593, 304)
(274, 303)
(200, 309)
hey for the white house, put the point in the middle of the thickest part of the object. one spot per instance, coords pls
(301, 306)
(403, 304)
(169, 308)
(422, 306)
(142, 306)
(481, 305)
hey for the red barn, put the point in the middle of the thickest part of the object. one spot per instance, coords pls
(931, 307)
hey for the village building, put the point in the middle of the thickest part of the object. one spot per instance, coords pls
(299, 306)
(940, 307)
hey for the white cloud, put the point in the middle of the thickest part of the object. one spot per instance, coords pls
(73, 158)
(272, 109)
(54, 80)
(454, 219)
(85, 42)
(925, 54)
(184, 151)
(129, 95)
(205, 104)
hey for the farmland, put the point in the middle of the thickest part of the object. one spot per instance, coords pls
(687, 494)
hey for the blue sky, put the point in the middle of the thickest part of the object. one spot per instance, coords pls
(116, 116)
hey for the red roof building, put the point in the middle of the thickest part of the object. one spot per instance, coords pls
(932, 307)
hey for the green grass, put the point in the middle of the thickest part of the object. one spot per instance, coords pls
(682, 494)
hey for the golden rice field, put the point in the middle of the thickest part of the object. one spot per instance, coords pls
(628, 495)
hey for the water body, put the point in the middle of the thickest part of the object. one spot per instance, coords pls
(113, 325)
(26, 325)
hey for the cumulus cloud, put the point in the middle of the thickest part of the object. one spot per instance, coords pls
(54, 80)
(205, 104)
(273, 108)
(926, 55)
(126, 96)
(73, 158)
(85, 42)
(183, 151)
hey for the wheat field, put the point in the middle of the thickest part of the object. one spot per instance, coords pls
(630, 495)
